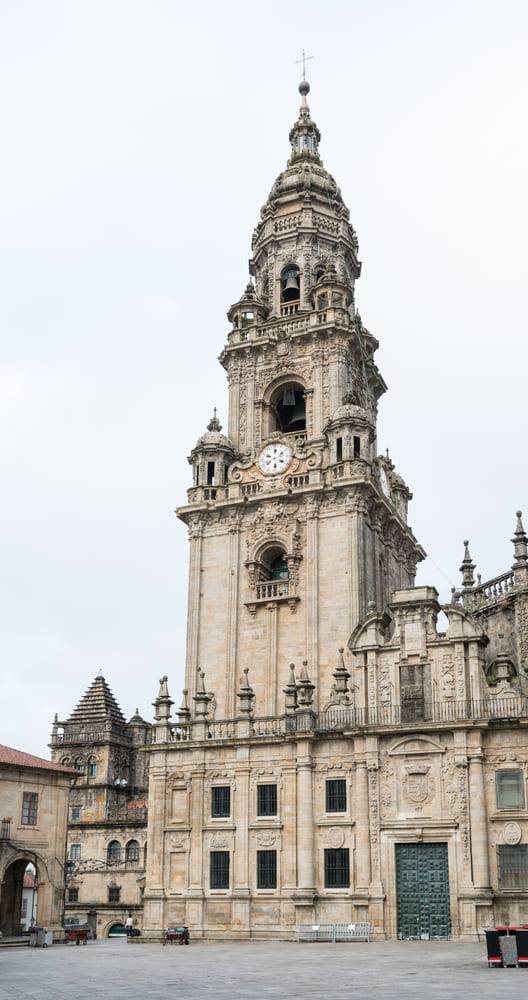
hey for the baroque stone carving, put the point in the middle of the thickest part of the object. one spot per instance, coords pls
(334, 837)
(266, 839)
(511, 833)
(417, 785)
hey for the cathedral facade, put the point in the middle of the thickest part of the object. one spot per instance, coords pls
(337, 757)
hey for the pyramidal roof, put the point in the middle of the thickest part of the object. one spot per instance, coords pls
(97, 705)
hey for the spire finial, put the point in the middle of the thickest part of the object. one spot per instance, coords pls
(304, 59)
(520, 544)
(214, 423)
(467, 568)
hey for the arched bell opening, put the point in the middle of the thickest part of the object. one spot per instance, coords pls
(273, 564)
(291, 284)
(18, 898)
(288, 409)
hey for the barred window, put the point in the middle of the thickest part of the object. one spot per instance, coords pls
(220, 801)
(113, 852)
(73, 895)
(513, 866)
(29, 809)
(114, 894)
(75, 812)
(509, 787)
(336, 796)
(337, 868)
(132, 851)
(219, 870)
(266, 869)
(75, 852)
(266, 800)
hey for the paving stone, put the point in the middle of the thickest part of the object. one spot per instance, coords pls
(381, 970)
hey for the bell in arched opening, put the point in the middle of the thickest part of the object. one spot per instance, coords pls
(290, 408)
(290, 284)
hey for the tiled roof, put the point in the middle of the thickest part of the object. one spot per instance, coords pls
(17, 758)
(97, 706)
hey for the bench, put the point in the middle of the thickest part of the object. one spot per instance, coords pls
(176, 934)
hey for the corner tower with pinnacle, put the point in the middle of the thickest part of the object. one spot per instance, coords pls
(297, 527)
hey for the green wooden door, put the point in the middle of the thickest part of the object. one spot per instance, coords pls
(422, 889)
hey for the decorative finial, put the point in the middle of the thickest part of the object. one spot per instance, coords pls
(246, 695)
(305, 688)
(304, 59)
(520, 544)
(214, 423)
(163, 703)
(184, 712)
(467, 568)
(290, 692)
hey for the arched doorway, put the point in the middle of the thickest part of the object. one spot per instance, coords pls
(13, 920)
(117, 931)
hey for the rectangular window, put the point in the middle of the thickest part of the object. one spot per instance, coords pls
(75, 812)
(114, 894)
(266, 869)
(513, 866)
(220, 801)
(336, 796)
(75, 852)
(357, 446)
(219, 870)
(337, 868)
(266, 800)
(23, 911)
(339, 450)
(92, 770)
(509, 787)
(210, 473)
(73, 895)
(29, 809)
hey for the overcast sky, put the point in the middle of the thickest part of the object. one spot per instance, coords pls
(139, 140)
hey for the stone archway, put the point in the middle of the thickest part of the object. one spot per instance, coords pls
(11, 897)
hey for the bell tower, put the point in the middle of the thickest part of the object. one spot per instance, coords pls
(297, 527)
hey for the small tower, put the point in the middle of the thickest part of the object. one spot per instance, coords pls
(248, 311)
(210, 460)
(350, 432)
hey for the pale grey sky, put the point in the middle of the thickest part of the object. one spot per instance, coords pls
(139, 140)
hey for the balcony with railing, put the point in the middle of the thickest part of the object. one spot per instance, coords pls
(357, 720)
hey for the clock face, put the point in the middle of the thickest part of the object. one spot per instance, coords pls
(275, 458)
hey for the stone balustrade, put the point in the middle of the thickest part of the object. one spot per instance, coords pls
(354, 720)
(492, 590)
(270, 590)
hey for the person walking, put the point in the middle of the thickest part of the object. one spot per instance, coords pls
(129, 924)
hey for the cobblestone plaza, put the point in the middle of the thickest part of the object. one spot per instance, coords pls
(385, 970)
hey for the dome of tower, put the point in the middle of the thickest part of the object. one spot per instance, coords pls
(349, 410)
(303, 220)
(213, 437)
